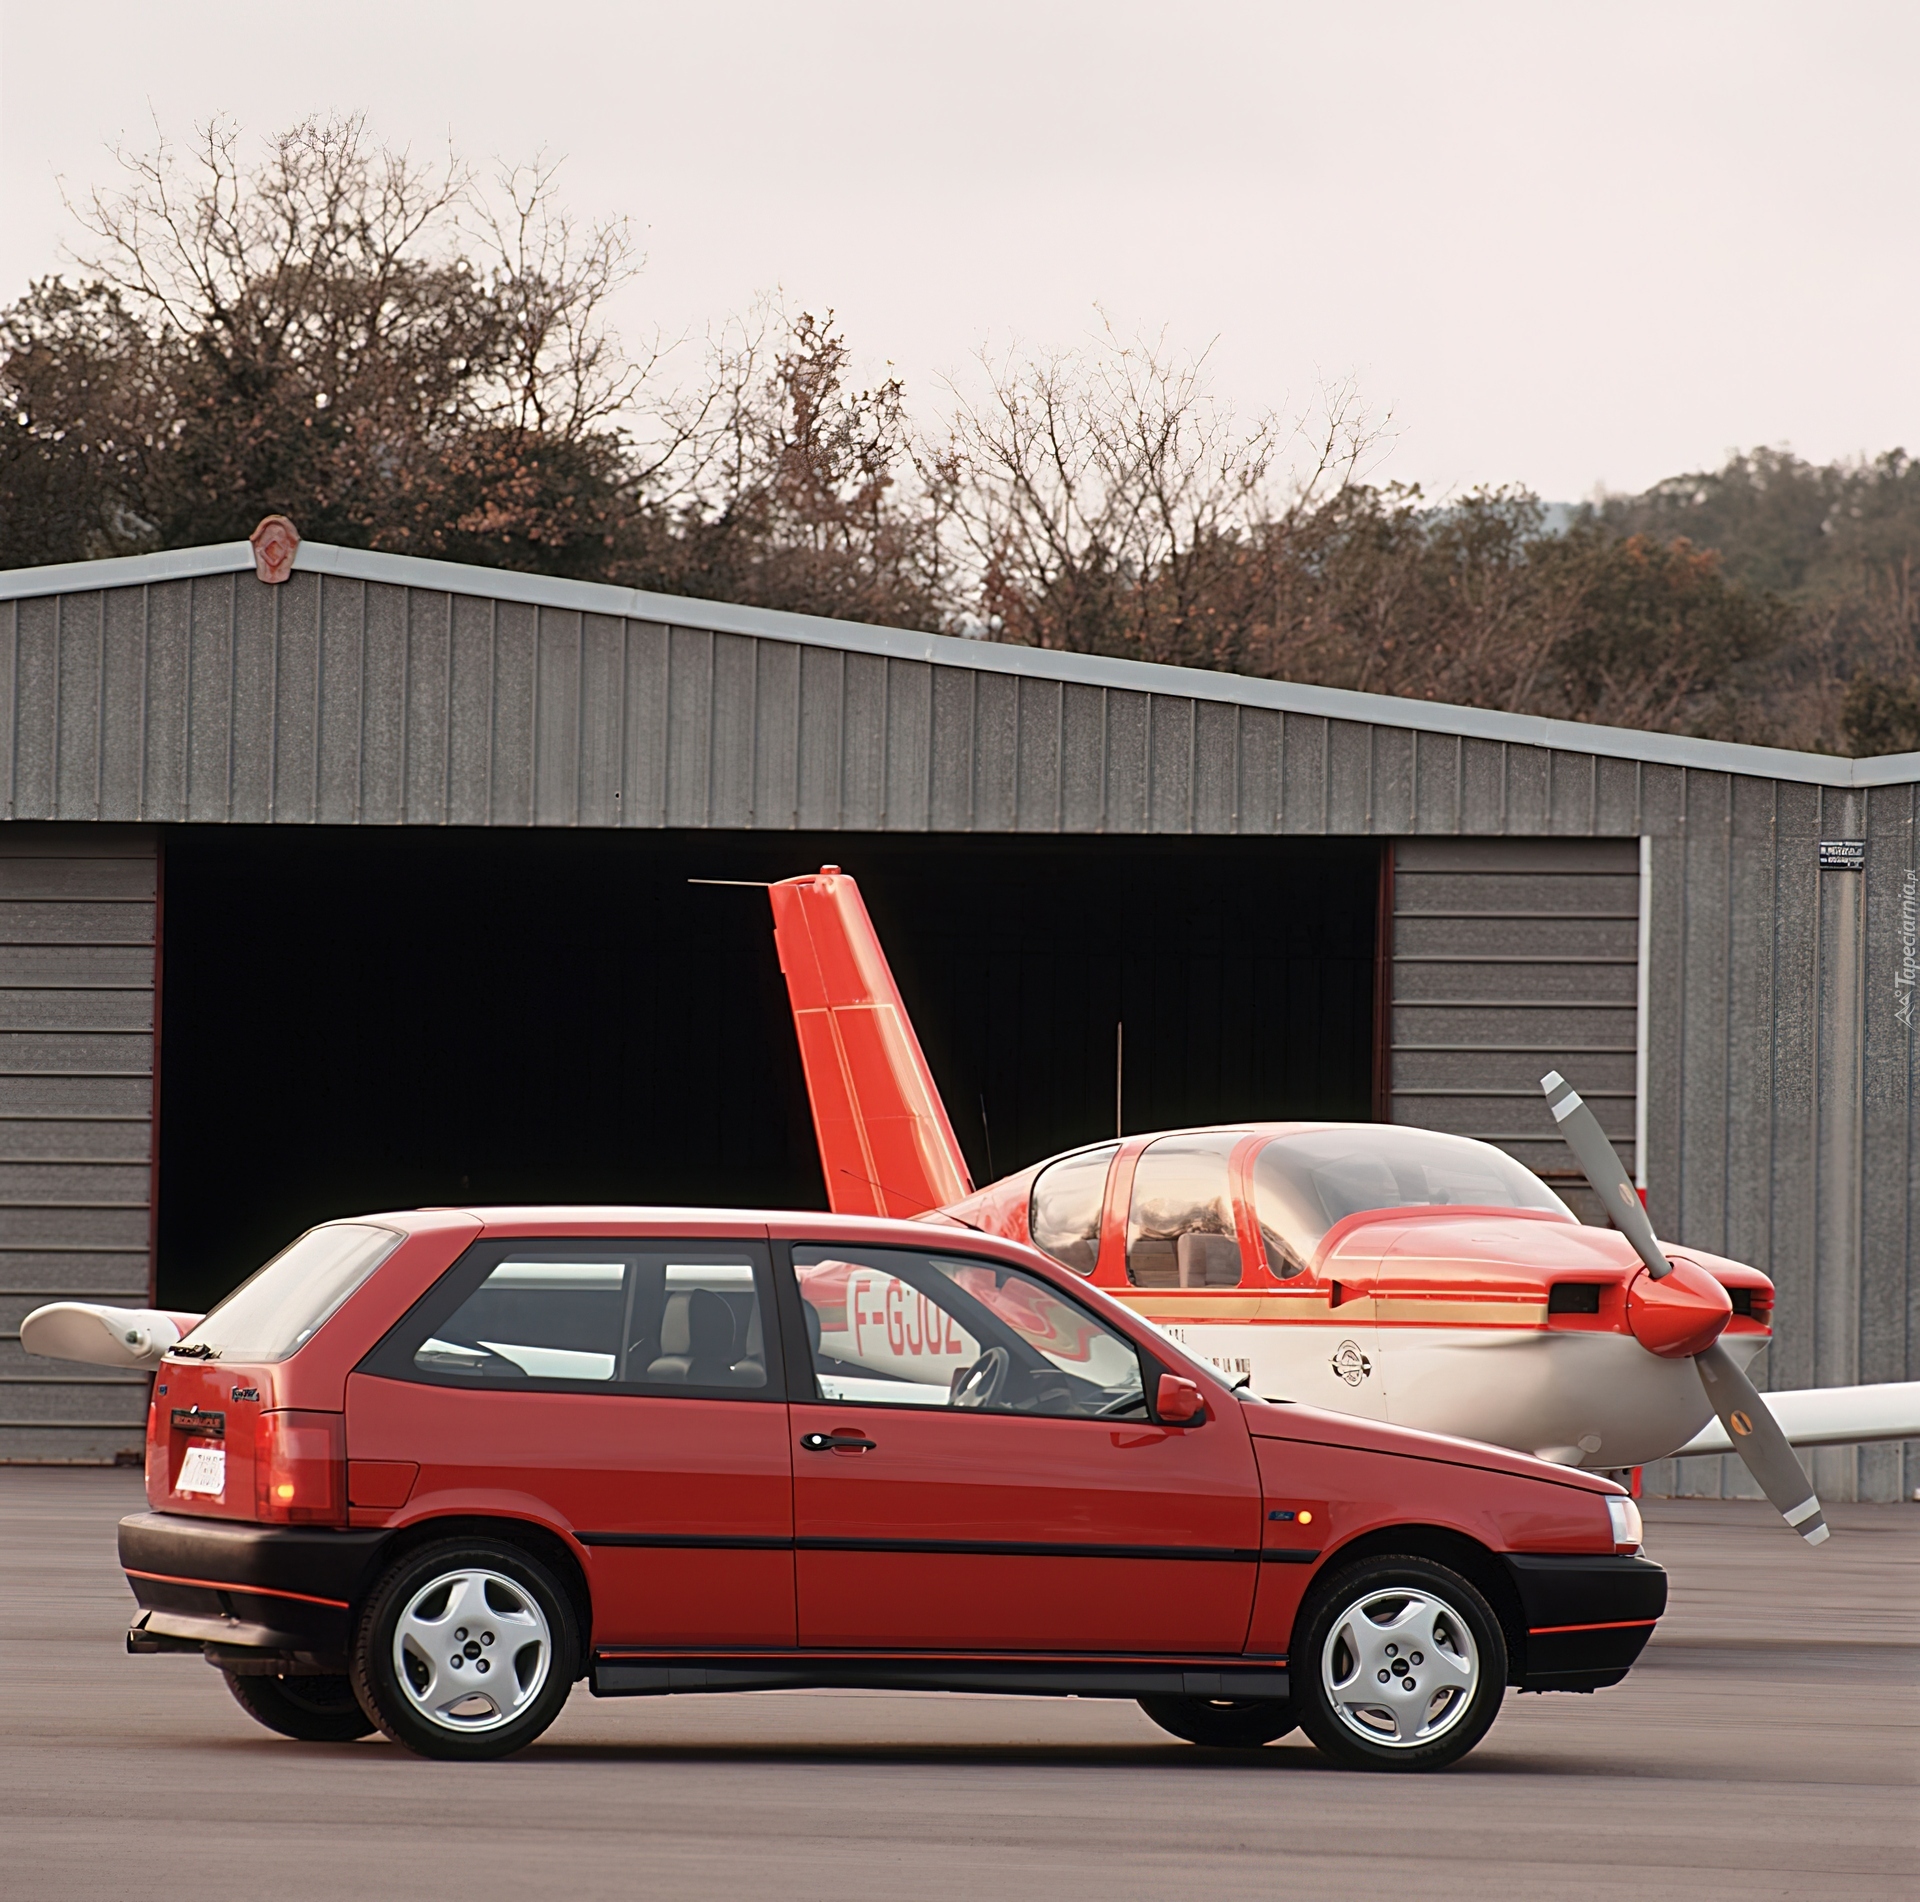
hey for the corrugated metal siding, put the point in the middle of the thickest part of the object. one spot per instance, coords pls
(1512, 958)
(1780, 1124)
(344, 702)
(1779, 1113)
(77, 907)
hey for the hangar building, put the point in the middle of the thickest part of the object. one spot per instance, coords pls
(371, 887)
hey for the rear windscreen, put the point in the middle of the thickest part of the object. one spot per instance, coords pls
(277, 1311)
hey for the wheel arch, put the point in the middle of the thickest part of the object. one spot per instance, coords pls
(1480, 1565)
(537, 1541)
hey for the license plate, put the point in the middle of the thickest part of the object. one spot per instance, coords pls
(204, 1470)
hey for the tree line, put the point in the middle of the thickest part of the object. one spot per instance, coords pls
(404, 356)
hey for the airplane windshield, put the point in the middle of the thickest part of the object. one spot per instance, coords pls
(1303, 1185)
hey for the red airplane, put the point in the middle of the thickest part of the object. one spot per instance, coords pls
(1397, 1273)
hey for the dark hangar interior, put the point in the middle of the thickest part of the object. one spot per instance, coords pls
(357, 1019)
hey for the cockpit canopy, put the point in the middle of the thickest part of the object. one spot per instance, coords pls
(1181, 1231)
(1304, 1184)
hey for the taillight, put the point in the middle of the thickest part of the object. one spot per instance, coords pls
(300, 1468)
(158, 1479)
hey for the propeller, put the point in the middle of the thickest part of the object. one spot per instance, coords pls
(1736, 1402)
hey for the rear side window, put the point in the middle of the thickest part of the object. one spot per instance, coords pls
(650, 1317)
(278, 1311)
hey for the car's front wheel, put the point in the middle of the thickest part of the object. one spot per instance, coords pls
(1222, 1723)
(1398, 1664)
(313, 1709)
(466, 1649)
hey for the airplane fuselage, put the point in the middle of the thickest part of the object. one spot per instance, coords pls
(1506, 1325)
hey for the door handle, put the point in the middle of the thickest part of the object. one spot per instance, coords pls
(841, 1442)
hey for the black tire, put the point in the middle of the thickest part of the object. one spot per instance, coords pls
(520, 1608)
(313, 1709)
(1439, 1601)
(1222, 1723)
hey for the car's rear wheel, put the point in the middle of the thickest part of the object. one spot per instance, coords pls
(1398, 1664)
(466, 1650)
(1222, 1723)
(313, 1709)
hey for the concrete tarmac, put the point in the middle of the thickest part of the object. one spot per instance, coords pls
(1768, 1745)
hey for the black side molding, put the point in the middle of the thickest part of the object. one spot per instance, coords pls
(951, 1548)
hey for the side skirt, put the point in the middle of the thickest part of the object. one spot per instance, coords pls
(622, 1672)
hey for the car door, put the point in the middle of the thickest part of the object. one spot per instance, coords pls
(976, 1468)
(620, 1389)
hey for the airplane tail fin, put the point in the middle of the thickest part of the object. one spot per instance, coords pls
(886, 1146)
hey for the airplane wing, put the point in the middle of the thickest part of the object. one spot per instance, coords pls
(1830, 1416)
(104, 1336)
(886, 1146)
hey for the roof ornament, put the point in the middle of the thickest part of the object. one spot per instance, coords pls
(275, 542)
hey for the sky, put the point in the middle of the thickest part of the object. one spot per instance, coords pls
(1567, 244)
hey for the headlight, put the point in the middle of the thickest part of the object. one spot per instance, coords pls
(1626, 1522)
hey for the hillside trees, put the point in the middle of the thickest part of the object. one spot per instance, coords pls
(403, 356)
(1840, 544)
(1105, 503)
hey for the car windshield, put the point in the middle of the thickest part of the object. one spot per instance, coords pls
(278, 1310)
(1304, 1184)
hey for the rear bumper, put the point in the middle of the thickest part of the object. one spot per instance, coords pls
(1588, 1617)
(287, 1589)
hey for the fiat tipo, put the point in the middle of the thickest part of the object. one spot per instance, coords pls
(426, 1472)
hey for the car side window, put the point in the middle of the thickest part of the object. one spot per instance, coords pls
(896, 1327)
(1063, 1214)
(656, 1317)
(1180, 1231)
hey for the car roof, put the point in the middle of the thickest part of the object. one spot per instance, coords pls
(654, 1218)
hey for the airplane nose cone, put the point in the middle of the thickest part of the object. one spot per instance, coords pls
(1680, 1314)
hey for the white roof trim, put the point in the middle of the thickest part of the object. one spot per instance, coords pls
(1333, 703)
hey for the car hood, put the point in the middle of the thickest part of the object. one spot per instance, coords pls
(1287, 1420)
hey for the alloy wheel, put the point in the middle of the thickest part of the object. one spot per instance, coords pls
(1399, 1667)
(471, 1650)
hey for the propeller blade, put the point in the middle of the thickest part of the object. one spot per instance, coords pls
(1600, 1163)
(1736, 1402)
(1757, 1438)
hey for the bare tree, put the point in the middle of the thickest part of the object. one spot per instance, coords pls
(1102, 499)
(784, 485)
(375, 346)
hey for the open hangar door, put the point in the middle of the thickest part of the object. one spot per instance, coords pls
(355, 1019)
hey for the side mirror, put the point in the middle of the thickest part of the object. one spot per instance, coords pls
(1179, 1402)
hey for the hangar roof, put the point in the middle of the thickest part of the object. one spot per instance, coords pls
(587, 597)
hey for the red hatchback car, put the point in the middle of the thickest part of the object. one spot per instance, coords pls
(424, 1472)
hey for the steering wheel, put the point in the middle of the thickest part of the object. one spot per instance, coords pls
(981, 1384)
(1125, 1404)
